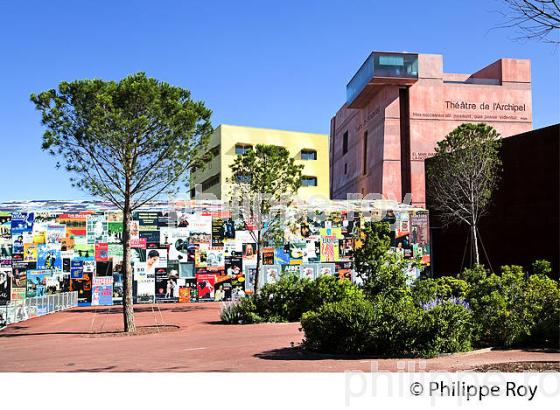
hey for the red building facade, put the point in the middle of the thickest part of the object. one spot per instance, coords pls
(400, 104)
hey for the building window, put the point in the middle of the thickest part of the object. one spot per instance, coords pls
(345, 143)
(345, 168)
(243, 179)
(364, 165)
(308, 154)
(309, 181)
(210, 182)
(241, 149)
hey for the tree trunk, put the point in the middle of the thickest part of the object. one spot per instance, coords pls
(475, 244)
(128, 307)
(257, 273)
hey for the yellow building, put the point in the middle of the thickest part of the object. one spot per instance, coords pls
(228, 141)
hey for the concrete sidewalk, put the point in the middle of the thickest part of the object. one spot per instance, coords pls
(194, 340)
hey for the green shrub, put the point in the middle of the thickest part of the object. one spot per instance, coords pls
(425, 290)
(512, 309)
(388, 327)
(287, 299)
(445, 328)
(242, 311)
(339, 327)
(542, 300)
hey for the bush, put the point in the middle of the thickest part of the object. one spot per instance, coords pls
(339, 327)
(514, 308)
(446, 287)
(542, 301)
(445, 328)
(387, 327)
(287, 299)
(242, 311)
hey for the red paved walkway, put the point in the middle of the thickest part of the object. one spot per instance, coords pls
(62, 342)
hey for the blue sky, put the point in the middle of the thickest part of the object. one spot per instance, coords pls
(275, 64)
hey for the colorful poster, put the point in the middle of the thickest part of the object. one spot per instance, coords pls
(326, 269)
(49, 258)
(268, 256)
(250, 252)
(22, 222)
(329, 244)
(271, 273)
(5, 284)
(309, 271)
(200, 228)
(76, 268)
(297, 252)
(96, 228)
(114, 232)
(101, 252)
(55, 233)
(281, 257)
(166, 285)
(30, 252)
(37, 282)
(215, 257)
(201, 255)
(205, 286)
(83, 287)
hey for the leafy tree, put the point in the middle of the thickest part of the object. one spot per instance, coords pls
(262, 179)
(126, 142)
(381, 271)
(463, 176)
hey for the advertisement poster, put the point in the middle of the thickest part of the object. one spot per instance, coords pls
(201, 255)
(297, 251)
(118, 287)
(217, 232)
(309, 271)
(268, 256)
(144, 290)
(102, 291)
(114, 232)
(215, 257)
(250, 252)
(326, 269)
(166, 285)
(312, 251)
(37, 282)
(281, 257)
(329, 244)
(49, 258)
(101, 252)
(205, 286)
(55, 233)
(250, 275)
(83, 287)
(19, 280)
(344, 270)
(271, 273)
(5, 284)
(30, 251)
(89, 264)
(22, 222)
(292, 269)
(96, 229)
(200, 228)
(76, 268)
(186, 270)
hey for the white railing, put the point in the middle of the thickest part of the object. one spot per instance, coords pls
(19, 310)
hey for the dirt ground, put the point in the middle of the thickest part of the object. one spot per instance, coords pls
(190, 338)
